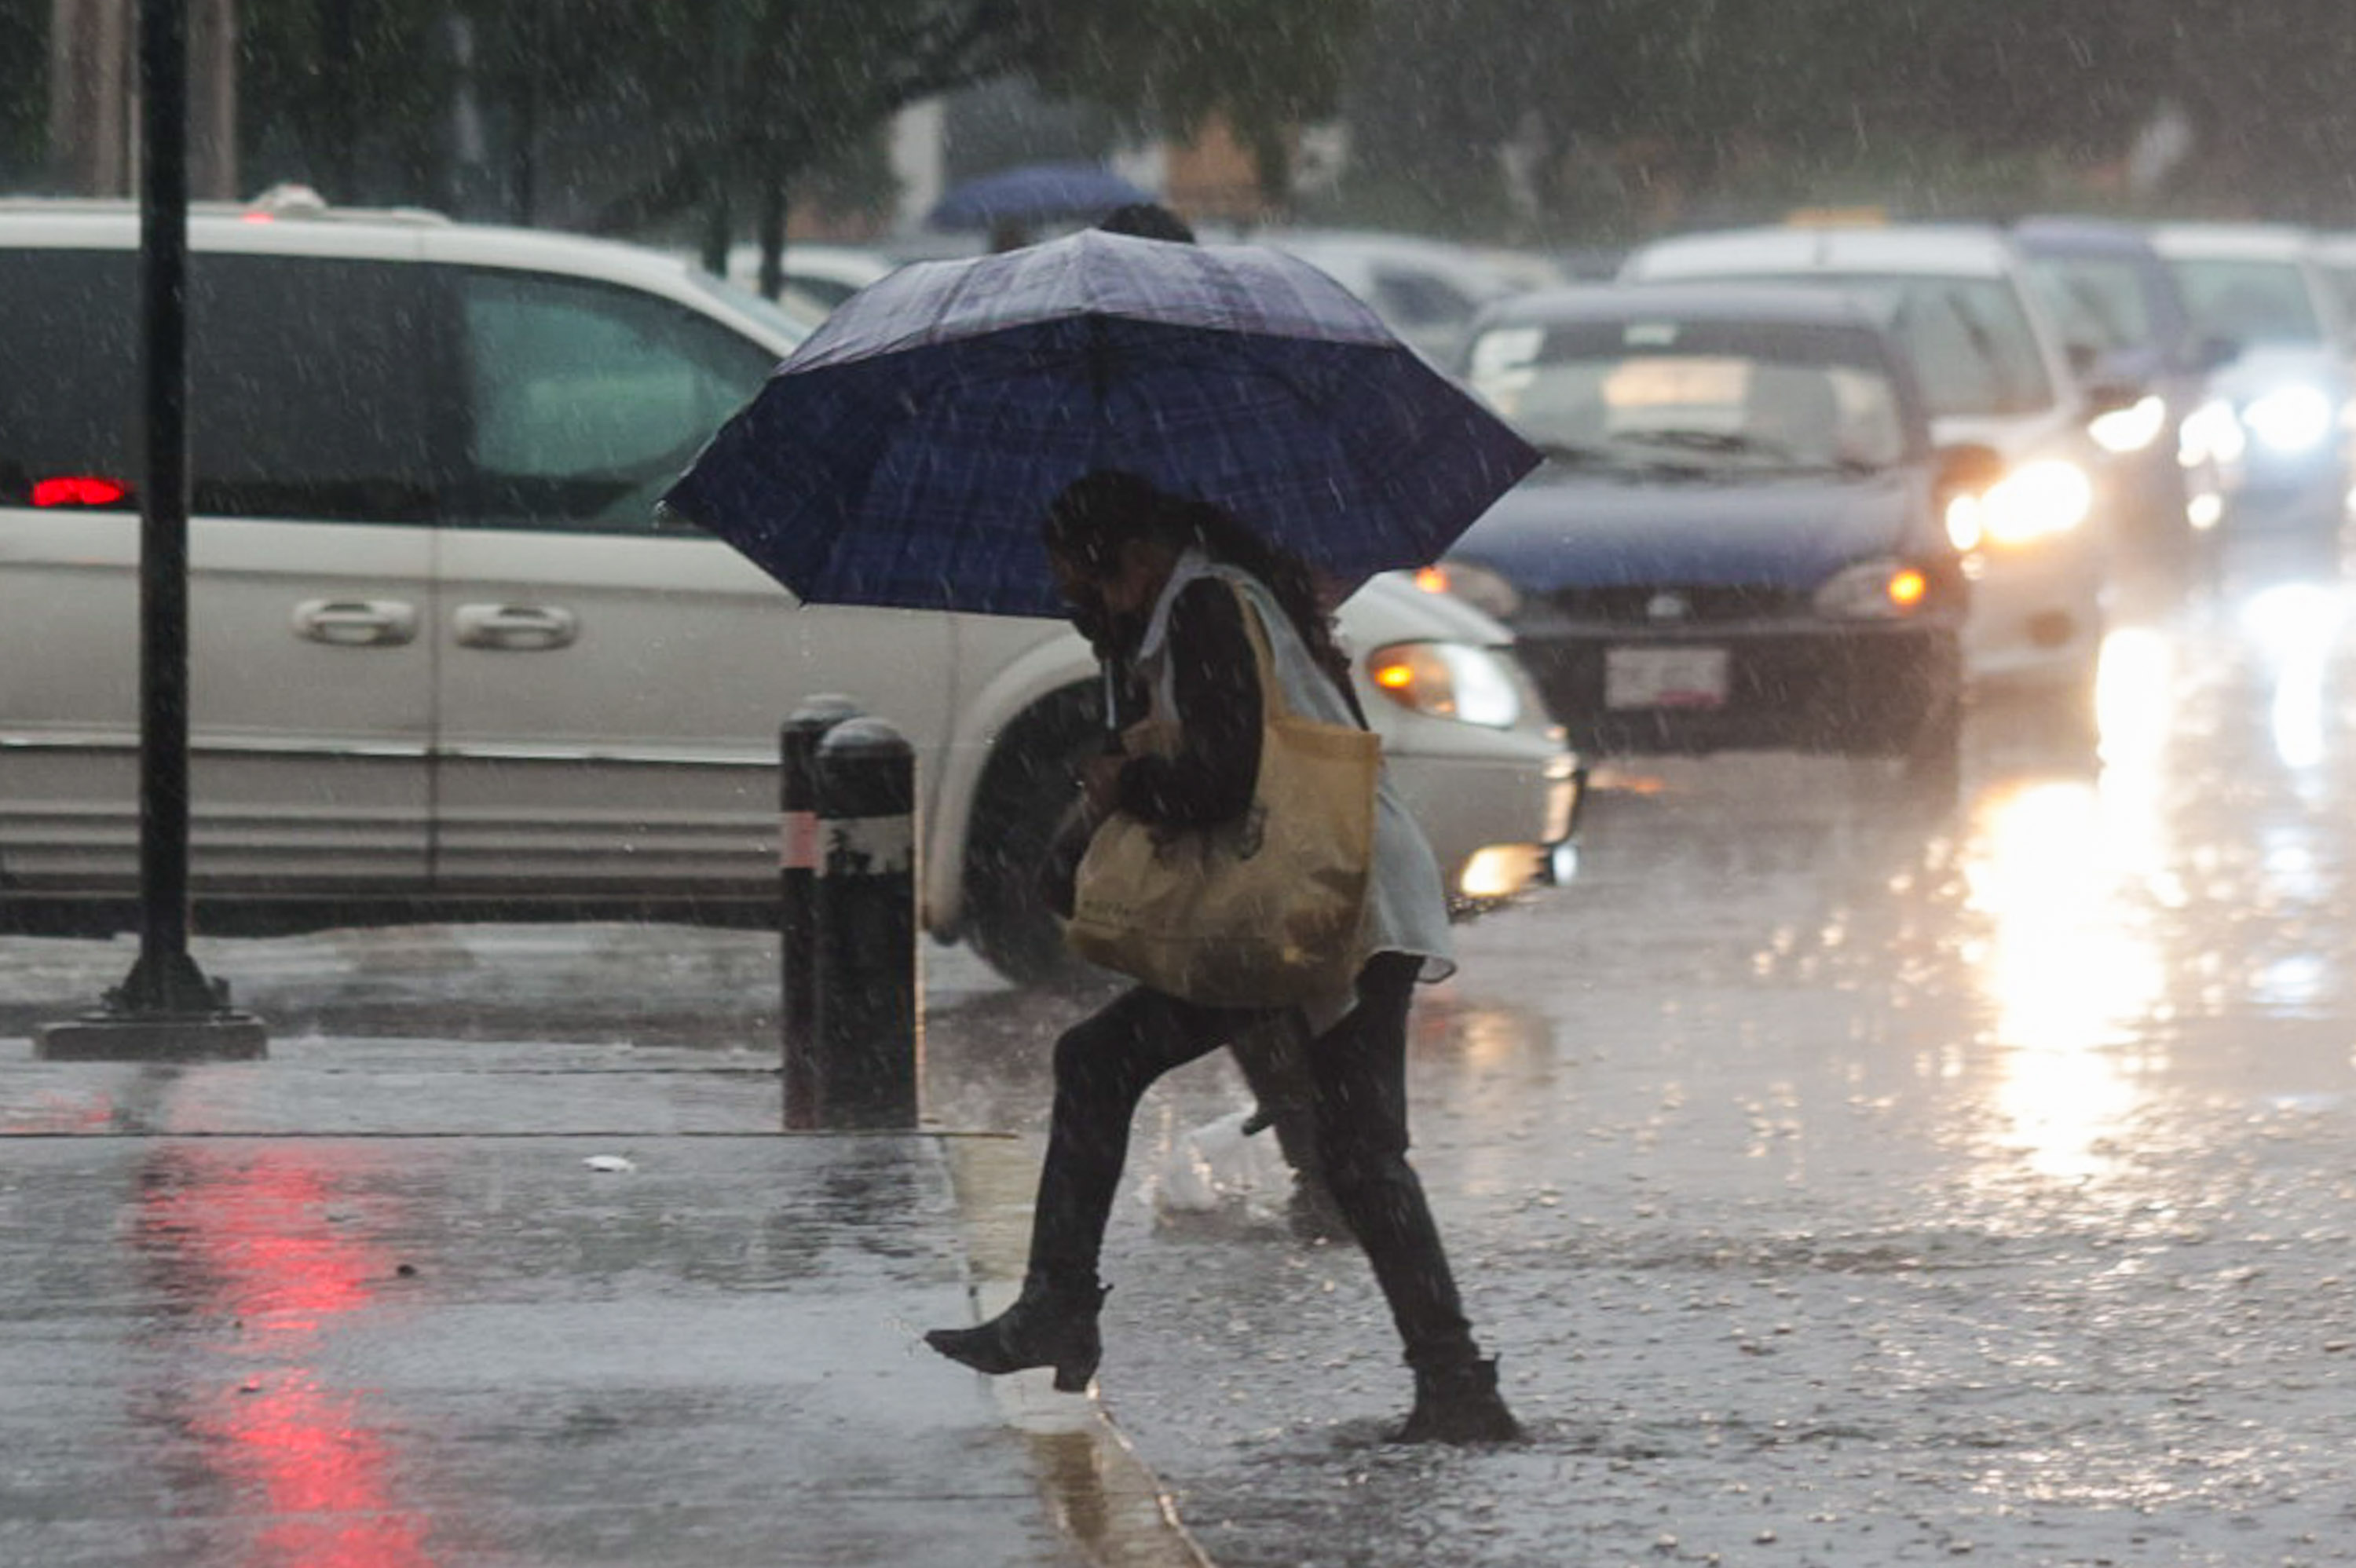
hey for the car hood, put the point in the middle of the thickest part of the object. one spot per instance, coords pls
(1580, 531)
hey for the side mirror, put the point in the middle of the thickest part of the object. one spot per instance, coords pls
(1966, 469)
(2214, 353)
(2108, 397)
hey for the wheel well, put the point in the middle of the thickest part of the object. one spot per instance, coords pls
(1029, 754)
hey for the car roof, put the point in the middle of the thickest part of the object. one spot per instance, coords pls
(1940, 250)
(2232, 241)
(389, 234)
(2075, 236)
(1793, 303)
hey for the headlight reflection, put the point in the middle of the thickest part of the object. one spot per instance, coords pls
(2069, 974)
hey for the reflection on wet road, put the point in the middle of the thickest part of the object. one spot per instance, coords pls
(1846, 1179)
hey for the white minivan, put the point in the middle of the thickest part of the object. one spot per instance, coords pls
(443, 652)
(1994, 374)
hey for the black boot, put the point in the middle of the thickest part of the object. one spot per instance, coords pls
(1459, 1402)
(1052, 1324)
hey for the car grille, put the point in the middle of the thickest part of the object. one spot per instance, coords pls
(1664, 606)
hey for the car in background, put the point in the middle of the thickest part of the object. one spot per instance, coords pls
(2129, 333)
(824, 275)
(1736, 541)
(1994, 374)
(1426, 291)
(444, 653)
(2259, 294)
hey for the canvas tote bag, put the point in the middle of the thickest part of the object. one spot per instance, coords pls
(1260, 910)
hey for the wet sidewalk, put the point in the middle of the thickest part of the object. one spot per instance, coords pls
(398, 1304)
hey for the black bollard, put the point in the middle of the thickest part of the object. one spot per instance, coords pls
(798, 743)
(870, 1030)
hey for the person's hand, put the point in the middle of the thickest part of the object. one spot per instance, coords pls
(1100, 782)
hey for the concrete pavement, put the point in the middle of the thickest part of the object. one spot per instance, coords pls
(394, 1303)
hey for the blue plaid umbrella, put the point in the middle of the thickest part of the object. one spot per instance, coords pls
(906, 453)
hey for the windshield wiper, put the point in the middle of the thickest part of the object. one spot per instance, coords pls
(1570, 452)
(1725, 440)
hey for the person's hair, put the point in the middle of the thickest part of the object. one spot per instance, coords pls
(1095, 515)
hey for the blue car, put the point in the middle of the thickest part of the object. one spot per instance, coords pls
(1738, 539)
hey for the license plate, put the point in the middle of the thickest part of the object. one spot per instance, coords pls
(1664, 677)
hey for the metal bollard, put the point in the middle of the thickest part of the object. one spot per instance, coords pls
(798, 743)
(870, 1023)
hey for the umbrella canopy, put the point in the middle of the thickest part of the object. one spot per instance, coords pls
(907, 451)
(1034, 194)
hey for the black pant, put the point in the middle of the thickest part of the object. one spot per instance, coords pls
(1358, 1069)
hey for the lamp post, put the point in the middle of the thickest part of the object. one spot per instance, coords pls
(165, 1009)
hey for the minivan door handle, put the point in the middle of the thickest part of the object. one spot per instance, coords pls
(356, 622)
(515, 628)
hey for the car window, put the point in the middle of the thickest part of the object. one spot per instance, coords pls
(589, 399)
(2248, 301)
(75, 313)
(2098, 303)
(306, 381)
(1419, 299)
(1973, 351)
(1717, 394)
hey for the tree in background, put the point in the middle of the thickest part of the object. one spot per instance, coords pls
(1626, 114)
(639, 117)
(24, 97)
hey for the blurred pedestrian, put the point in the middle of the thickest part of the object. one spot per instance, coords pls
(1163, 586)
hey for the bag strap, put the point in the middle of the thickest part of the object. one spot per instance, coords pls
(1272, 700)
(1271, 684)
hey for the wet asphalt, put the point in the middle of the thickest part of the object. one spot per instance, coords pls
(1845, 1178)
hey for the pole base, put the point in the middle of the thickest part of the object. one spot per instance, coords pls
(154, 1037)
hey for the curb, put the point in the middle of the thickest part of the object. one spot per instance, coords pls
(1106, 1501)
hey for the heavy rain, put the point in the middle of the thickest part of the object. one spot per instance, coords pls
(542, 838)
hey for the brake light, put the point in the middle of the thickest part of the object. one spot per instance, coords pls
(78, 490)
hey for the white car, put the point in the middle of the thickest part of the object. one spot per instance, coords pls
(825, 275)
(2263, 296)
(1995, 375)
(441, 651)
(1426, 290)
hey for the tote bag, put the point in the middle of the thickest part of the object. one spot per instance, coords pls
(1263, 910)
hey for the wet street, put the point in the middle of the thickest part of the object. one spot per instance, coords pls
(1845, 1178)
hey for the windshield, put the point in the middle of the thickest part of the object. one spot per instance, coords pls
(2248, 301)
(1701, 395)
(1973, 348)
(2101, 303)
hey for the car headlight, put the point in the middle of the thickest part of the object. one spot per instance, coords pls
(1873, 591)
(2210, 433)
(1448, 680)
(2131, 429)
(2289, 420)
(2035, 501)
(1484, 589)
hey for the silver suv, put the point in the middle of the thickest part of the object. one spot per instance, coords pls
(443, 652)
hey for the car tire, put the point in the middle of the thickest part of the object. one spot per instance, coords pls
(1029, 782)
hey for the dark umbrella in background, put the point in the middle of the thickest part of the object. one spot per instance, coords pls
(1021, 199)
(907, 452)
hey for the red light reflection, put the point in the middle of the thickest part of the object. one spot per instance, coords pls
(247, 1241)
